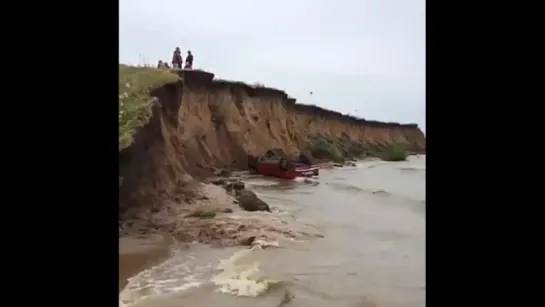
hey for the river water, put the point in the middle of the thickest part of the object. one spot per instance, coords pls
(372, 254)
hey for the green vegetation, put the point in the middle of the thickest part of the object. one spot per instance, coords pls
(323, 148)
(390, 152)
(343, 148)
(135, 102)
(233, 82)
(202, 214)
(350, 149)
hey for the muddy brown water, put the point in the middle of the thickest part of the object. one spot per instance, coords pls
(372, 253)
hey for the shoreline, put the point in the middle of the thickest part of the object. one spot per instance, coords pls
(147, 238)
(182, 160)
(211, 213)
(147, 241)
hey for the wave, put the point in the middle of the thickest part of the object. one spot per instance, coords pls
(176, 274)
(415, 204)
(243, 279)
(236, 275)
(412, 169)
(355, 188)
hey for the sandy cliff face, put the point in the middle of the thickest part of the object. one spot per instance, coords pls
(200, 123)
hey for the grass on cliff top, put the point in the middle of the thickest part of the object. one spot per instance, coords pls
(254, 85)
(135, 102)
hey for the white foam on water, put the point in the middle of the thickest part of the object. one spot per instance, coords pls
(311, 180)
(237, 276)
(260, 183)
(264, 182)
(243, 279)
(263, 243)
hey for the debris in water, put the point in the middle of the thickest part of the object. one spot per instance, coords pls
(288, 297)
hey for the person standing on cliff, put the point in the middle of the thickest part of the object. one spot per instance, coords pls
(177, 60)
(189, 60)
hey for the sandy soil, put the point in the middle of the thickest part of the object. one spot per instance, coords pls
(231, 226)
(144, 239)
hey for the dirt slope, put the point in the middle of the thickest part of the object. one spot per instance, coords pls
(200, 123)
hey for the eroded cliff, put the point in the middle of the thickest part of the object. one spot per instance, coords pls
(201, 123)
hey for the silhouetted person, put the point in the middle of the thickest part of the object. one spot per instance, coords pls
(160, 65)
(177, 60)
(189, 60)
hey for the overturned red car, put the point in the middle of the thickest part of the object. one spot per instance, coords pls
(277, 164)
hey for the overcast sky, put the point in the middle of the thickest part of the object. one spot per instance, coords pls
(364, 57)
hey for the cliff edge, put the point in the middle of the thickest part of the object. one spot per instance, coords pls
(198, 123)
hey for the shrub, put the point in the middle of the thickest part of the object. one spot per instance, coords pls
(322, 148)
(393, 152)
(351, 149)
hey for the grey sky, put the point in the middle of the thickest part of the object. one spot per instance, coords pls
(364, 55)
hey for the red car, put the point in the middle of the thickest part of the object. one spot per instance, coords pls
(278, 165)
